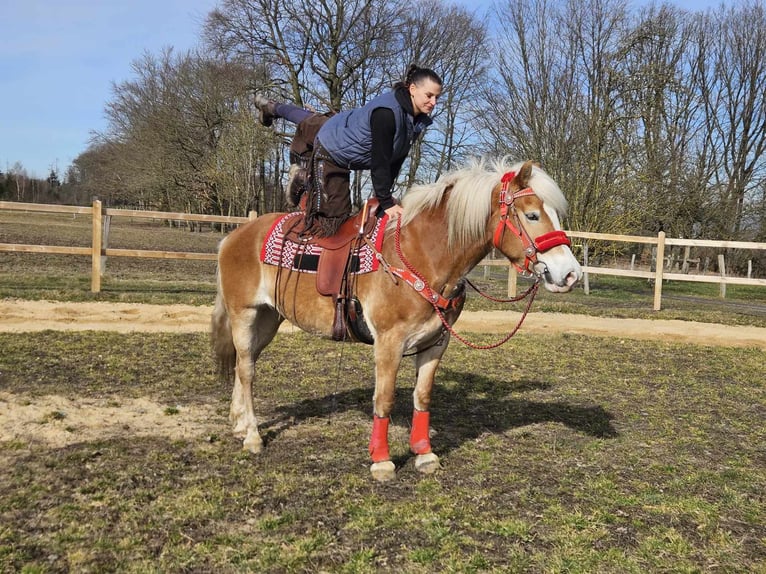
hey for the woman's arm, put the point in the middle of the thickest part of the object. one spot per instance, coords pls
(383, 173)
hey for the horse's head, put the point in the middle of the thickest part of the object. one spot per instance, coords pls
(527, 229)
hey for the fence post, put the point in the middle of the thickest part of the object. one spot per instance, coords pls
(658, 270)
(687, 255)
(252, 215)
(105, 241)
(722, 271)
(95, 274)
(585, 276)
(512, 279)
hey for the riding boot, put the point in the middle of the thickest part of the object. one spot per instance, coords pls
(267, 110)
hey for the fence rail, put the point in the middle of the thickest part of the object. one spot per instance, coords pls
(101, 218)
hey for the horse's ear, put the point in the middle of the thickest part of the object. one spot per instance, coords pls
(522, 177)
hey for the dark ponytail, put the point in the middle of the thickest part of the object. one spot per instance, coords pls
(415, 75)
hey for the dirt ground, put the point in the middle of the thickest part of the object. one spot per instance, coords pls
(57, 421)
(24, 316)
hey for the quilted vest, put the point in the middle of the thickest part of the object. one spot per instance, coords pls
(347, 136)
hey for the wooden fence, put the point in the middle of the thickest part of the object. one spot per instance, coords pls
(101, 222)
(101, 218)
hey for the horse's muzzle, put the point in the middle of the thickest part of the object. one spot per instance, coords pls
(563, 284)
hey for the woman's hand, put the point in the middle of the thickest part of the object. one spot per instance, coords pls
(394, 212)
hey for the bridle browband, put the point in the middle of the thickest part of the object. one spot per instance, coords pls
(509, 219)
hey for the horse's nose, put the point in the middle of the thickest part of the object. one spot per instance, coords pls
(571, 278)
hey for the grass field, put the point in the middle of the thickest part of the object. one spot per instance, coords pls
(560, 453)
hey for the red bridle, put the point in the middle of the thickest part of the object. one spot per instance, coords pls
(531, 246)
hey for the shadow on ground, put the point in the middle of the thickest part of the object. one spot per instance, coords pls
(462, 413)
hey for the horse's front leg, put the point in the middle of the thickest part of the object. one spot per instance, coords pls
(388, 355)
(426, 363)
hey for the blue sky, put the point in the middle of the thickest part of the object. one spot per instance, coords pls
(60, 58)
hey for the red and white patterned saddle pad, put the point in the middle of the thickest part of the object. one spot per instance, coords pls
(281, 251)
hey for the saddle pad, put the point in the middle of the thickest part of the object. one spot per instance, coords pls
(278, 250)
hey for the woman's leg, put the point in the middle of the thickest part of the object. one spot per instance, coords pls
(329, 201)
(292, 113)
(271, 110)
(300, 156)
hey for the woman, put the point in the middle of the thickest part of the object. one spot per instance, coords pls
(375, 137)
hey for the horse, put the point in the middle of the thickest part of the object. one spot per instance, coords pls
(410, 302)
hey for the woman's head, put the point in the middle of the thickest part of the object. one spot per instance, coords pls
(425, 87)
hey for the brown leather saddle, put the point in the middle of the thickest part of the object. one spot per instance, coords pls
(334, 270)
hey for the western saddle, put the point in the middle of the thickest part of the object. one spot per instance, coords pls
(335, 269)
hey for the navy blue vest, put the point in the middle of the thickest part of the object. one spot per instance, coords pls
(347, 136)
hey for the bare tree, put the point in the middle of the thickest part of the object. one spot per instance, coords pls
(662, 150)
(732, 70)
(452, 41)
(555, 100)
(18, 174)
(314, 52)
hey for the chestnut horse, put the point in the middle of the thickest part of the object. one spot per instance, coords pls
(410, 302)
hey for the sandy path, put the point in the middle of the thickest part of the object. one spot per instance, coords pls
(25, 316)
(58, 421)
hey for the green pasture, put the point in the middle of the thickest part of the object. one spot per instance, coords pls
(559, 454)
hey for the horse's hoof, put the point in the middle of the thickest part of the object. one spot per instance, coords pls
(427, 463)
(383, 471)
(253, 442)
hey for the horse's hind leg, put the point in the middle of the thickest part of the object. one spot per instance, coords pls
(252, 329)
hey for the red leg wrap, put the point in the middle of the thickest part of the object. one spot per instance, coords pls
(420, 443)
(379, 439)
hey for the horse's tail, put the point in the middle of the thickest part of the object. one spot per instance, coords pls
(221, 338)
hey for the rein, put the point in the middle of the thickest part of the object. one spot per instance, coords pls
(497, 300)
(440, 303)
(532, 290)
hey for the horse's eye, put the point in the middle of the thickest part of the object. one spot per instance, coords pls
(532, 216)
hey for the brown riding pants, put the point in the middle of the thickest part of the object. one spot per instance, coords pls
(328, 203)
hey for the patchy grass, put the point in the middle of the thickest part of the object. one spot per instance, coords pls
(559, 454)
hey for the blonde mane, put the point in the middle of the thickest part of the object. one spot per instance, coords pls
(470, 192)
